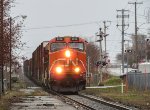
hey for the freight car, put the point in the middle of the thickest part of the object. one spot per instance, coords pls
(59, 64)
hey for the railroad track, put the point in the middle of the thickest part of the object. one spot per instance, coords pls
(100, 104)
(80, 104)
(65, 99)
(111, 104)
(71, 101)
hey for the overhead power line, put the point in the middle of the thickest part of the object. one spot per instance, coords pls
(70, 25)
(139, 14)
(61, 26)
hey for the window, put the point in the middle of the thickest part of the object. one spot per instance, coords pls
(77, 46)
(57, 46)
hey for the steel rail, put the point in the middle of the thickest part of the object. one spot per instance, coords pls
(67, 99)
(63, 97)
(111, 104)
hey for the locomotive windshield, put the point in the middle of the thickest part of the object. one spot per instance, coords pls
(57, 46)
(77, 46)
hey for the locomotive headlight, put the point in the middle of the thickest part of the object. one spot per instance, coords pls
(77, 69)
(67, 53)
(58, 70)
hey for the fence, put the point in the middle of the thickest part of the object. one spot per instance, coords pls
(139, 81)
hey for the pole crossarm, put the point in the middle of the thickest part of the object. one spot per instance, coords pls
(135, 3)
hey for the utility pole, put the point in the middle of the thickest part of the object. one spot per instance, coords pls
(146, 48)
(105, 35)
(88, 71)
(1, 47)
(128, 50)
(136, 29)
(100, 45)
(10, 53)
(123, 16)
(148, 16)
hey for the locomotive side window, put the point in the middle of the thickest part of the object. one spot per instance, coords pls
(57, 46)
(77, 46)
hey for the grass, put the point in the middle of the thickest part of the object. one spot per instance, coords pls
(10, 97)
(39, 92)
(18, 85)
(112, 81)
(15, 95)
(132, 97)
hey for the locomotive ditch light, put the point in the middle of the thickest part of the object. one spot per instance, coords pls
(67, 53)
(59, 70)
(77, 69)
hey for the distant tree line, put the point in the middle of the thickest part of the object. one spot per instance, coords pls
(143, 50)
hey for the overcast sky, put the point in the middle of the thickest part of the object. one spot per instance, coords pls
(50, 18)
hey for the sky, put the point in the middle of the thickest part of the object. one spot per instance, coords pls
(47, 19)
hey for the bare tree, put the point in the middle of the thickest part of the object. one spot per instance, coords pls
(141, 43)
(16, 32)
(9, 39)
(94, 53)
(143, 50)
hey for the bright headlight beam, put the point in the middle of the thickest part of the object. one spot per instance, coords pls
(67, 53)
(77, 69)
(58, 69)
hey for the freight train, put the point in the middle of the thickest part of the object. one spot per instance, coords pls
(59, 64)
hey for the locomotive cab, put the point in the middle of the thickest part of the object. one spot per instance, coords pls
(67, 68)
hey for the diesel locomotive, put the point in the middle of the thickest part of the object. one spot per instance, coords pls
(59, 64)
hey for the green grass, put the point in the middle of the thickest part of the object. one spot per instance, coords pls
(112, 81)
(131, 97)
